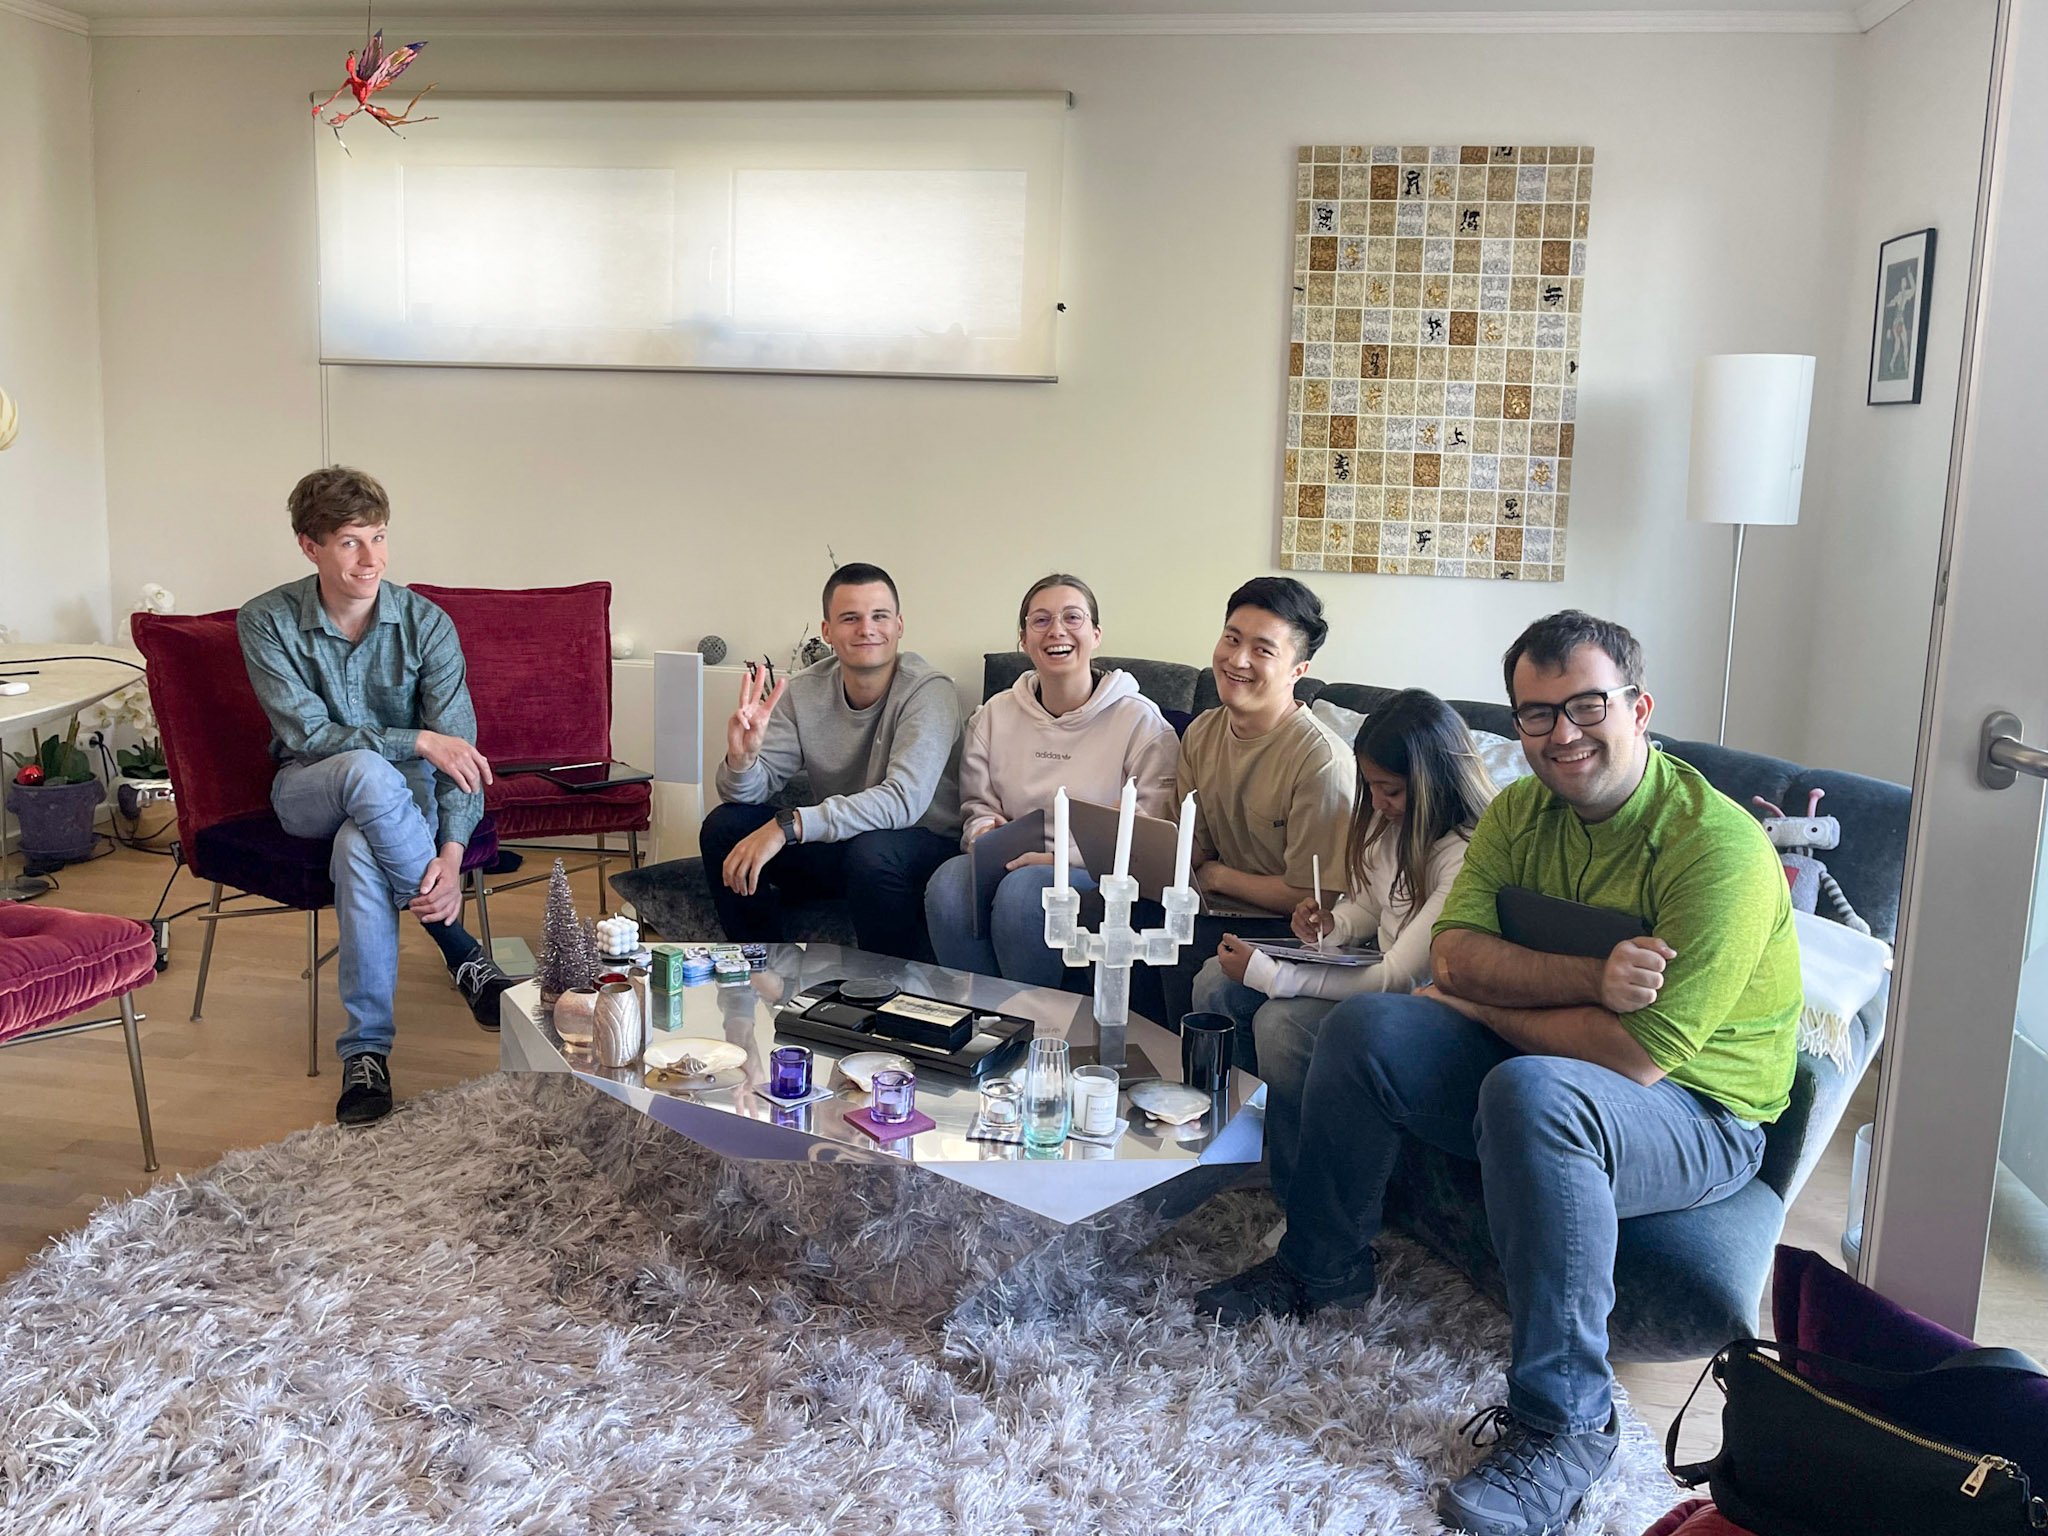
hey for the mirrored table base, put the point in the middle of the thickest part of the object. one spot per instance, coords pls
(934, 1223)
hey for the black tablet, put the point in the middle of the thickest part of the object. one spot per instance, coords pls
(1559, 927)
(584, 777)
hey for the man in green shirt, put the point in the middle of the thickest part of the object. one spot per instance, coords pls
(375, 741)
(1588, 1090)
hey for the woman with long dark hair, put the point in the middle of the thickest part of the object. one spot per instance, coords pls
(1421, 789)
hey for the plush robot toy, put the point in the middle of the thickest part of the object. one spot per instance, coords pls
(1796, 838)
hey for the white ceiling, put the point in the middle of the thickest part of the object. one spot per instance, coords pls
(887, 16)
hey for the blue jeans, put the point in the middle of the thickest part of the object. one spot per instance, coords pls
(1013, 945)
(1565, 1149)
(382, 818)
(1276, 1036)
(882, 875)
(1170, 990)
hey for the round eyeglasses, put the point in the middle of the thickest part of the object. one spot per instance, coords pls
(1582, 709)
(1041, 620)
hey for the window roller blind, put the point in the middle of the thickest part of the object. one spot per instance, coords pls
(905, 236)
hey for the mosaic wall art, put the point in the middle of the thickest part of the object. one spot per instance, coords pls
(1434, 358)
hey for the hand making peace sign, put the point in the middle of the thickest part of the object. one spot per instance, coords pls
(748, 727)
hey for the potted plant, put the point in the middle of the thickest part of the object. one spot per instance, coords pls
(53, 797)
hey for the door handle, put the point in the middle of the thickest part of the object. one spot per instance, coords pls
(2002, 755)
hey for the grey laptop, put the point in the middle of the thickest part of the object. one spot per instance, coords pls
(1152, 845)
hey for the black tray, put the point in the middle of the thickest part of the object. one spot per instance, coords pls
(993, 1043)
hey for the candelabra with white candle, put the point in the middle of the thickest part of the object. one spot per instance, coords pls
(1116, 946)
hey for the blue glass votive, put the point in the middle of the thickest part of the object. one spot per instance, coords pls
(789, 1072)
(895, 1096)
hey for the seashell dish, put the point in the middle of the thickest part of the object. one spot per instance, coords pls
(1173, 1103)
(695, 1056)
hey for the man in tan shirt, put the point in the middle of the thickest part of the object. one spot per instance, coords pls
(1273, 785)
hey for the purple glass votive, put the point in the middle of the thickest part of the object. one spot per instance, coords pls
(895, 1096)
(789, 1072)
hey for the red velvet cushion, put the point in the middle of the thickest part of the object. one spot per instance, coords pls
(540, 667)
(256, 854)
(527, 806)
(1696, 1517)
(54, 962)
(216, 736)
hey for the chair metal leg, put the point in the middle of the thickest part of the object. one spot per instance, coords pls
(604, 901)
(206, 954)
(149, 1162)
(633, 847)
(483, 912)
(313, 993)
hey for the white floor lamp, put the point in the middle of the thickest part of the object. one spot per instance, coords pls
(1749, 416)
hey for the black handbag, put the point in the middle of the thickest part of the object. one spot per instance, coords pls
(1795, 1460)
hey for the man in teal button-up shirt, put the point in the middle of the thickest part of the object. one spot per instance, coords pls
(375, 737)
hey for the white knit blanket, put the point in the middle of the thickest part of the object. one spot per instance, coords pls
(1841, 970)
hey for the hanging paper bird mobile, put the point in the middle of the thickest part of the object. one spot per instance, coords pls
(369, 75)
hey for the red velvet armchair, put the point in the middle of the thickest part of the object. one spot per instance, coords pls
(540, 676)
(54, 963)
(217, 743)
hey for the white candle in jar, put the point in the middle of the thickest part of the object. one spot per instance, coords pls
(1093, 1090)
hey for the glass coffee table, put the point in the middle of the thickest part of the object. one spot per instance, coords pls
(973, 1215)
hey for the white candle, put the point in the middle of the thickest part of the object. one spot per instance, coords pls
(1059, 839)
(1126, 818)
(1184, 846)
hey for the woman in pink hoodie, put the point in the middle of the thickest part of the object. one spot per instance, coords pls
(1063, 724)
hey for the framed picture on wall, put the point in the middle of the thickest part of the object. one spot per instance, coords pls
(1898, 342)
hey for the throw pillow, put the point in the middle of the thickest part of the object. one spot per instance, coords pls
(1502, 758)
(1816, 1307)
(1345, 722)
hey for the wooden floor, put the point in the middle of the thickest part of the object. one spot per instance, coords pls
(238, 1079)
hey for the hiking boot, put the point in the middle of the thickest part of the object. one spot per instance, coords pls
(1270, 1289)
(1530, 1482)
(365, 1089)
(482, 984)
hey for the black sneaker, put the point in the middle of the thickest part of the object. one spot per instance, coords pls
(365, 1089)
(1270, 1289)
(482, 984)
(1530, 1482)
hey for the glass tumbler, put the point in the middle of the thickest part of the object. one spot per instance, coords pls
(789, 1072)
(1047, 1108)
(895, 1095)
(1002, 1105)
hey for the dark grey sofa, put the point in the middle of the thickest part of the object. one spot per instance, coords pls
(1686, 1282)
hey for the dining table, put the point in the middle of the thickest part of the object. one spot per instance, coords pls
(58, 678)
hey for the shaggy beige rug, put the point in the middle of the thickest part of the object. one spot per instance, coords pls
(453, 1323)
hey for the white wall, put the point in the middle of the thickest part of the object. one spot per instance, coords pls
(53, 507)
(1871, 538)
(1152, 467)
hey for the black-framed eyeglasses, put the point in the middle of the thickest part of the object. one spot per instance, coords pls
(1582, 709)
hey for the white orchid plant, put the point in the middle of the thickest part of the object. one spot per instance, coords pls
(130, 708)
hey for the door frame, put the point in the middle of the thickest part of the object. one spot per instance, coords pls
(1971, 851)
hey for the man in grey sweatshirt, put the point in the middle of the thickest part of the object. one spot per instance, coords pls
(877, 732)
